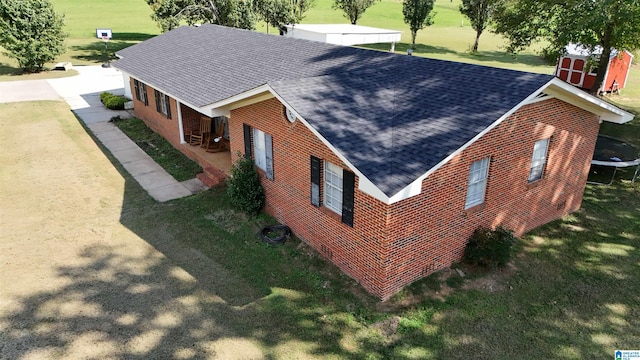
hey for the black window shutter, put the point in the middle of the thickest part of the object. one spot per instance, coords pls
(315, 181)
(144, 93)
(136, 87)
(247, 140)
(348, 192)
(158, 106)
(268, 140)
(166, 99)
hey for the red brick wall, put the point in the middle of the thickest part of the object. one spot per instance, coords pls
(429, 231)
(358, 251)
(157, 121)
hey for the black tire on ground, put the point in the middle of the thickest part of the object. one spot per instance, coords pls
(282, 231)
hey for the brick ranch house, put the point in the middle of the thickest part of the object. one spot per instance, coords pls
(384, 163)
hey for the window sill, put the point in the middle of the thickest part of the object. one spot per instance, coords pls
(325, 210)
(534, 184)
(475, 209)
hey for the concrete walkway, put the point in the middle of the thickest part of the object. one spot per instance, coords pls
(82, 93)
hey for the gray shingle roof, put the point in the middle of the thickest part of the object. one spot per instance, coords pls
(393, 117)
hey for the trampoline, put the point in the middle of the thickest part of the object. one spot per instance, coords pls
(614, 153)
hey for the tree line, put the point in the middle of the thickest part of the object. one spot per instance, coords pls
(32, 32)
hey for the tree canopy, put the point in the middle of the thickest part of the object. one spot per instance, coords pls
(353, 9)
(275, 12)
(597, 25)
(417, 14)
(234, 13)
(31, 32)
(479, 13)
(300, 7)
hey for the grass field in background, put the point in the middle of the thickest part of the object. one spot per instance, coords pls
(130, 21)
(449, 38)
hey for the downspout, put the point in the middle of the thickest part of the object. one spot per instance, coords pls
(180, 127)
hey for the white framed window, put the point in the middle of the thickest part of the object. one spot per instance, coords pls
(259, 149)
(538, 160)
(477, 182)
(333, 187)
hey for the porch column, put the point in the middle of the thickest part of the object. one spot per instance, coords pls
(180, 127)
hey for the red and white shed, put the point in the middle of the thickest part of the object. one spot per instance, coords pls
(574, 67)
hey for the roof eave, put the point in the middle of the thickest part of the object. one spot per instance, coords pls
(572, 95)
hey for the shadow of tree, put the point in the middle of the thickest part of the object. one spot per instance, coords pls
(504, 57)
(95, 51)
(481, 56)
(402, 47)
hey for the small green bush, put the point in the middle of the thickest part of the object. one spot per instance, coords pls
(243, 187)
(490, 248)
(113, 102)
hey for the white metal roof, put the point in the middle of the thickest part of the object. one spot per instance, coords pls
(342, 34)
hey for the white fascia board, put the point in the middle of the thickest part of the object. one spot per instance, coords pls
(586, 101)
(242, 96)
(416, 186)
(202, 110)
(607, 112)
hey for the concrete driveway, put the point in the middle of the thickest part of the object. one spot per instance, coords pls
(27, 90)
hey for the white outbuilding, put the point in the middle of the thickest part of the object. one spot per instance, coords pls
(343, 34)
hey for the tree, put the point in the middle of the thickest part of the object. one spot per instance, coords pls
(601, 24)
(417, 13)
(300, 7)
(479, 13)
(165, 12)
(275, 12)
(234, 13)
(31, 32)
(353, 9)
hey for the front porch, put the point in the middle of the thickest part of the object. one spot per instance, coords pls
(216, 164)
